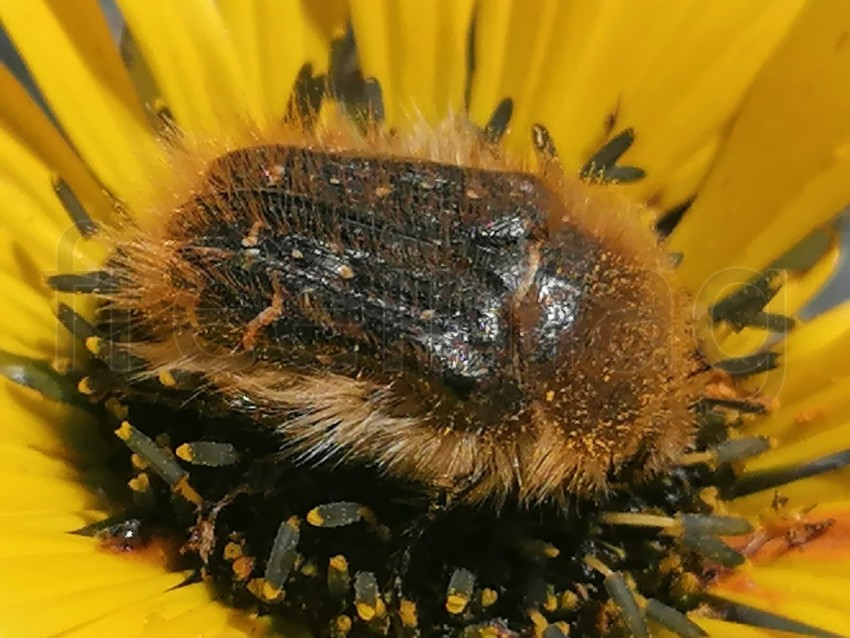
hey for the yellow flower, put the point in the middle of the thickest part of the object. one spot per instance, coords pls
(739, 109)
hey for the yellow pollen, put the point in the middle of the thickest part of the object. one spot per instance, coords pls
(185, 452)
(343, 624)
(139, 483)
(116, 408)
(368, 612)
(125, 431)
(185, 490)
(167, 379)
(456, 603)
(84, 386)
(489, 597)
(242, 567)
(337, 562)
(232, 551)
(538, 620)
(315, 518)
(93, 344)
(407, 613)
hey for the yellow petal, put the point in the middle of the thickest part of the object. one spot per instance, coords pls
(823, 442)
(57, 523)
(33, 211)
(274, 39)
(798, 596)
(162, 613)
(191, 56)
(682, 181)
(579, 68)
(41, 493)
(51, 428)
(36, 574)
(809, 492)
(207, 620)
(815, 355)
(783, 170)
(798, 290)
(416, 49)
(804, 583)
(22, 118)
(28, 326)
(69, 51)
(725, 47)
(39, 239)
(71, 610)
(133, 619)
(816, 411)
(27, 460)
(723, 629)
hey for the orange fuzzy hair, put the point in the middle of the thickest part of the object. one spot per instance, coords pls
(624, 400)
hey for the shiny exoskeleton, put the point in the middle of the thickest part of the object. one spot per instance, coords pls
(431, 276)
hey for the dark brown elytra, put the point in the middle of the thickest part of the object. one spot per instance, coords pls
(406, 272)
